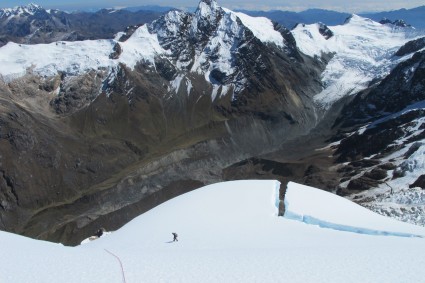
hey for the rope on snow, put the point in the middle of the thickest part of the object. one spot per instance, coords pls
(119, 260)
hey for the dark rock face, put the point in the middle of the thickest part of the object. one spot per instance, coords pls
(420, 182)
(362, 184)
(378, 139)
(411, 47)
(376, 174)
(402, 87)
(77, 92)
(325, 31)
(391, 113)
(116, 51)
(397, 23)
(94, 150)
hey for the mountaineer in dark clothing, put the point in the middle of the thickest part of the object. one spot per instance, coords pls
(175, 237)
(100, 232)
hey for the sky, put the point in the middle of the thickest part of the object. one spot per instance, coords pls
(290, 5)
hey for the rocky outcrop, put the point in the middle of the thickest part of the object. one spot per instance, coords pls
(402, 87)
(420, 182)
(384, 126)
(411, 47)
(397, 23)
(100, 147)
(325, 31)
(213, 100)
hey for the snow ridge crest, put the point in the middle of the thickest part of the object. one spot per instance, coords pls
(29, 9)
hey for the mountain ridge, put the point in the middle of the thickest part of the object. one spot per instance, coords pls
(117, 126)
(163, 114)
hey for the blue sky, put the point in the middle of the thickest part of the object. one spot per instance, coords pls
(291, 5)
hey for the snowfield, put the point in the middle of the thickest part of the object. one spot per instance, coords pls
(230, 232)
(363, 50)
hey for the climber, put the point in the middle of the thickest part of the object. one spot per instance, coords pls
(175, 237)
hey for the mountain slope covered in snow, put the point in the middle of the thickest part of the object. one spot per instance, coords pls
(96, 132)
(362, 52)
(160, 109)
(230, 232)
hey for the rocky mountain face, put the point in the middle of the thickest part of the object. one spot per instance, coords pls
(397, 23)
(381, 156)
(96, 132)
(124, 125)
(33, 24)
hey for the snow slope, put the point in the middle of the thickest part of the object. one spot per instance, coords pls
(229, 232)
(47, 59)
(77, 57)
(363, 50)
(261, 27)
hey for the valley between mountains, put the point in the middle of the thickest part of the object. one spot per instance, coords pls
(95, 132)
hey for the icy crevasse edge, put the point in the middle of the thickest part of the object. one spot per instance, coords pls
(298, 214)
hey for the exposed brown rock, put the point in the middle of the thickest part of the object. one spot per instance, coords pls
(420, 182)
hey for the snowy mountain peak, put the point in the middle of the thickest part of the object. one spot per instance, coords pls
(362, 51)
(358, 20)
(210, 43)
(33, 6)
(29, 9)
(206, 7)
(206, 17)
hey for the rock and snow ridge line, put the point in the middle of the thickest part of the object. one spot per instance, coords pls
(75, 58)
(362, 51)
(305, 204)
(29, 9)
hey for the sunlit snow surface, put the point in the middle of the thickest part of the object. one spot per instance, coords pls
(230, 232)
(363, 50)
(47, 59)
(75, 58)
(261, 27)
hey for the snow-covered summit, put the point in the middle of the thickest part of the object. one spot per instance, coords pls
(206, 43)
(362, 51)
(207, 9)
(25, 10)
(230, 232)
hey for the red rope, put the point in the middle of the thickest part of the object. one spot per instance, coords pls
(119, 260)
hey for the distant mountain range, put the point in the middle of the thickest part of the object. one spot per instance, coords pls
(154, 8)
(415, 16)
(33, 24)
